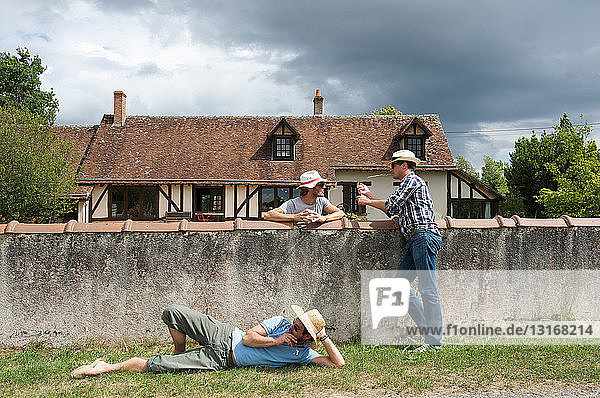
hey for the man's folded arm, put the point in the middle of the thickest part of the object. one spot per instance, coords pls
(333, 214)
(278, 215)
(257, 338)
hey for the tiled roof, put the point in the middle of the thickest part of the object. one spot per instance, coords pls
(79, 135)
(236, 147)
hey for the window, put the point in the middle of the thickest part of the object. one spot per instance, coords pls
(136, 203)
(272, 197)
(470, 208)
(416, 145)
(349, 194)
(209, 200)
(283, 148)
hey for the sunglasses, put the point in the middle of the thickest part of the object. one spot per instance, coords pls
(297, 329)
(393, 163)
(321, 185)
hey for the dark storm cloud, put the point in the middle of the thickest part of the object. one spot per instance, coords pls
(475, 63)
(469, 61)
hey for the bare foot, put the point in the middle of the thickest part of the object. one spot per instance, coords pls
(85, 370)
(100, 367)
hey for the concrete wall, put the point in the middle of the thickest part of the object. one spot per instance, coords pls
(68, 283)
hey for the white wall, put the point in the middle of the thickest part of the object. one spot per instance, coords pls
(229, 191)
(83, 208)
(187, 198)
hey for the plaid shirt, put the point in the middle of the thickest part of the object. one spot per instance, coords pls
(413, 204)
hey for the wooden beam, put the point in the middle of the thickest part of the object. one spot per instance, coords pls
(247, 200)
(168, 197)
(98, 201)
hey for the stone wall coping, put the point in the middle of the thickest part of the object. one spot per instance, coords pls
(73, 226)
(580, 222)
(471, 223)
(540, 222)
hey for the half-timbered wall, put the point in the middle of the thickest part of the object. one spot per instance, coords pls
(99, 202)
(465, 200)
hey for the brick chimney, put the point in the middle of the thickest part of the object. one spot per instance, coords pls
(120, 114)
(318, 101)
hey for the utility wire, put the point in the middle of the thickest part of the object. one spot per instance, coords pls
(515, 129)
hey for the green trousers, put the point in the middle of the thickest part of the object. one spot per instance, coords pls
(214, 336)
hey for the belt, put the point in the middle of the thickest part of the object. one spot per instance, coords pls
(414, 231)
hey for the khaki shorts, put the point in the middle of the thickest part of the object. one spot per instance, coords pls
(215, 337)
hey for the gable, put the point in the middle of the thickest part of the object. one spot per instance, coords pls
(283, 128)
(414, 128)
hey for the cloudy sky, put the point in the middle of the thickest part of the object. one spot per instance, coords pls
(481, 65)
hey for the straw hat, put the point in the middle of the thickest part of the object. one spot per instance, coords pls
(404, 155)
(313, 323)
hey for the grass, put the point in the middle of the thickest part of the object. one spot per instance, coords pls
(369, 371)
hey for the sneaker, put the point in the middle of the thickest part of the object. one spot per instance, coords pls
(428, 348)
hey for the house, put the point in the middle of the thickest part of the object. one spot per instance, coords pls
(224, 167)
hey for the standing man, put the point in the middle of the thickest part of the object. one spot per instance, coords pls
(413, 205)
(311, 204)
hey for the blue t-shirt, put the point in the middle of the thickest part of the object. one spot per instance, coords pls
(274, 356)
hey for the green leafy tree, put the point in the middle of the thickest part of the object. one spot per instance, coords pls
(37, 168)
(492, 174)
(20, 84)
(537, 161)
(385, 110)
(578, 188)
(465, 165)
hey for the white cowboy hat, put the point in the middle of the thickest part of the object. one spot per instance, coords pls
(310, 179)
(404, 155)
(313, 323)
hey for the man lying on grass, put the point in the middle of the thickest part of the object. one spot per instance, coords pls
(274, 342)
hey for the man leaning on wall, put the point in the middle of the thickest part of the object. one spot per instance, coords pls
(310, 206)
(412, 203)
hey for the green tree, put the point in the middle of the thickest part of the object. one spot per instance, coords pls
(578, 188)
(492, 174)
(536, 162)
(385, 110)
(20, 84)
(465, 166)
(37, 168)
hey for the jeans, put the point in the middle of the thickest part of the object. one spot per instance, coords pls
(419, 262)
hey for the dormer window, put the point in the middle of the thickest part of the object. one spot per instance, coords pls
(283, 148)
(283, 138)
(416, 145)
(413, 137)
